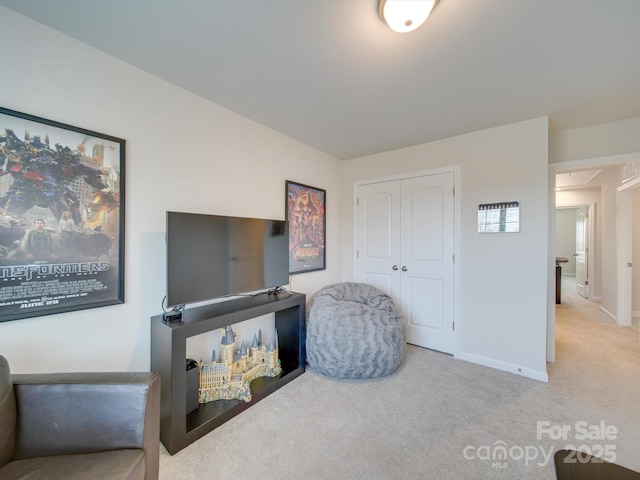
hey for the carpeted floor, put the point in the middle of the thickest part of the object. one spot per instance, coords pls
(439, 418)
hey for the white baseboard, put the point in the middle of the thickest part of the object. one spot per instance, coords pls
(609, 313)
(542, 376)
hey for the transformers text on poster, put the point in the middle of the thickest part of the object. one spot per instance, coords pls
(306, 212)
(61, 217)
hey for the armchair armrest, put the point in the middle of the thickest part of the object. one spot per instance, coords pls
(67, 413)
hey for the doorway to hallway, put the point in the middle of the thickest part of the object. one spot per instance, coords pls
(576, 305)
(610, 278)
(575, 234)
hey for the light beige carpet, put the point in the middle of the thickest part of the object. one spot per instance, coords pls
(438, 418)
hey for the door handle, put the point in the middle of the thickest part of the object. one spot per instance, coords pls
(395, 267)
(404, 268)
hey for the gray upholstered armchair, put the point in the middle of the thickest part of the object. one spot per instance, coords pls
(79, 425)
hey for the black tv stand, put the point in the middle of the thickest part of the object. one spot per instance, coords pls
(168, 353)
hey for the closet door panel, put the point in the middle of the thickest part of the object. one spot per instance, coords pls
(427, 269)
(378, 236)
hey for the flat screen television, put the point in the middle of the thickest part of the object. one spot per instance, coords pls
(213, 256)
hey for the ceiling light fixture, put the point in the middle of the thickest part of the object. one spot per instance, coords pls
(405, 15)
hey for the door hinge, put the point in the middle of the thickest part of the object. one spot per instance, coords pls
(454, 258)
(453, 325)
(454, 191)
(357, 201)
(586, 282)
(357, 253)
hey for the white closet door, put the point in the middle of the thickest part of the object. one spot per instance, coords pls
(582, 246)
(378, 234)
(427, 268)
(405, 244)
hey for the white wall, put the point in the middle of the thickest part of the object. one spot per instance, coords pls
(566, 238)
(595, 141)
(502, 310)
(609, 277)
(183, 153)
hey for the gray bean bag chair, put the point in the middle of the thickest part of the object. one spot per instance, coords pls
(354, 331)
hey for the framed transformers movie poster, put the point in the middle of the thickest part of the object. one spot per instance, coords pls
(61, 217)
(306, 213)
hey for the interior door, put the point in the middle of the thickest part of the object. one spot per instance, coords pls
(582, 240)
(378, 237)
(427, 268)
(405, 244)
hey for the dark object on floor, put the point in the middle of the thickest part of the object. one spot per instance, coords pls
(354, 331)
(559, 260)
(572, 465)
(79, 425)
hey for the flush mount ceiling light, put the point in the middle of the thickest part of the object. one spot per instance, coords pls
(405, 15)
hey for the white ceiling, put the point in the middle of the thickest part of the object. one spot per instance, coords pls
(330, 74)
(578, 179)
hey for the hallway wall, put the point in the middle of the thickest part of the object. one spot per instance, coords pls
(566, 238)
(635, 305)
(609, 277)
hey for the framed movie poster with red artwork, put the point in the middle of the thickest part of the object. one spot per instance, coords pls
(306, 213)
(61, 217)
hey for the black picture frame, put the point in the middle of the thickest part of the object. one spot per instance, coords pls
(307, 215)
(73, 180)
